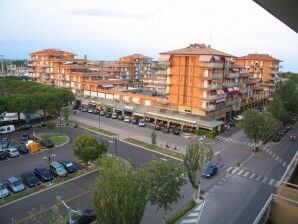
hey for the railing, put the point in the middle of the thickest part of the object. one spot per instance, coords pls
(211, 76)
(208, 108)
(210, 87)
(243, 89)
(232, 75)
(210, 65)
(230, 84)
(214, 97)
(231, 102)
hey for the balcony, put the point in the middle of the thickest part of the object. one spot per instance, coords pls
(209, 87)
(214, 97)
(210, 65)
(230, 84)
(208, 108)
(251, 81)
(164, 63)
(275, 66)
(243, 90)
(211, 76)
(232, 102)
(232, 75)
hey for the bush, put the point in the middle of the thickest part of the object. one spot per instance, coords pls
(181, 212)
(207, 133)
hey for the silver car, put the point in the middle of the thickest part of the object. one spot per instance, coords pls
(15, 185)
(4, 192)
(12, 152)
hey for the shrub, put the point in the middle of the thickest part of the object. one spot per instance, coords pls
(207, 133)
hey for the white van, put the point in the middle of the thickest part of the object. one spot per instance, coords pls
(7, 129)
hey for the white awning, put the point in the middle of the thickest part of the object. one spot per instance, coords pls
(230, 89)
(236, 88)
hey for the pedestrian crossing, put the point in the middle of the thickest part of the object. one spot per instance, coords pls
(274, 156)
(245, 143)
(195, 215)
(252, 176)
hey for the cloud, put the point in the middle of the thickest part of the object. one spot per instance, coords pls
(106, 13)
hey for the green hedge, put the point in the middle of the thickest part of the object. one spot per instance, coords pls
(174, 218)
(207, 133)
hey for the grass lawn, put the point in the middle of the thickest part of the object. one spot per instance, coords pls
(99, 130)
(154, 148)
(56, 138)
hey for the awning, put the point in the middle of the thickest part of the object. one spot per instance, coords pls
(216, 58)
(205, 58)
(107, 86)
(128, 108)
(236, 88)
(230, 89)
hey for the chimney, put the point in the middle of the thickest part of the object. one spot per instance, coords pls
(85, 57)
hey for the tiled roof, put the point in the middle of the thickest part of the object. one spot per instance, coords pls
(51, 51)
(260, 57)
(198, 49)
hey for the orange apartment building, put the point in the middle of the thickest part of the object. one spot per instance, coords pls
(262, 67)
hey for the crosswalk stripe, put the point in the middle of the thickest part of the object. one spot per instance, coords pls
(235, 170)
(271, 181)
(277, 158)
(194, 214)
(284, 164)
(280, 160)
(270, 153)
(230, 168)
(246, 174)
(277, 183)
(265, 179)
(252, 175)
(267, 150)
(240, 172)
(258, 177)
(188, 221)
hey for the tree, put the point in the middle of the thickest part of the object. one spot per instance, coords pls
(165, 180)
(47, 102)
(121, 193)
(277, 109)
(66, 114)
(153, 138)
(198, 154)
(88, 148)
(271, 125)
(288, 91)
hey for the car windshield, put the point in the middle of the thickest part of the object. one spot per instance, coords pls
(2, 187)
(16, 183)
(59, 170)
(14, 151)
(69, 164)
(43, 171)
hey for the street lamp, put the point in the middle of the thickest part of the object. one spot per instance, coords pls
(60, 198)
(49, 159)
(115, 139)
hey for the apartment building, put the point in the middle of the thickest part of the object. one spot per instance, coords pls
(263, 67)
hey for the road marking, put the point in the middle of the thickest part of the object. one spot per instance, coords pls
(271, 182)
(270, 153)
(189, 221)
(240, 172)
(194, 214)
(277, 158)
(280, 160)
(235, 170)
(258, 177)
(277, 183)
(230, 168)
(284, 164)
(265, 179)
(267, 150)
(252, 175)
(246, 174)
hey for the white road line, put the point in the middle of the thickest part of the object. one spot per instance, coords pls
(277, 158)
(284, 164)
(259, 177)
(277, 183)
(194, 214)
(271, 182)
(229, 140)
(246, 174)
(270, 153)
(265, 179)
(267, 150)
(240, 172)
(230, 168)
(189, 221)
(280, 160)
(252, 175)
(235, 170)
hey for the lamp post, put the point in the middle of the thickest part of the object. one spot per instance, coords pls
(49, 159)
(60, 198)
(116, 139)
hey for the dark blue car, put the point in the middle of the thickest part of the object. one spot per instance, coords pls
(210, 171)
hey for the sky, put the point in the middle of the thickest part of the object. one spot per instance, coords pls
(110, 29)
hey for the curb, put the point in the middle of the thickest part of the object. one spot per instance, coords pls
(48, 188)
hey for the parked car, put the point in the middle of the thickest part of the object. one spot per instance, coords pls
(85, 109)
(15, 185)
(25, 137)
(114, 115)
(238, 118)
(12, 152)
(210, 171)
(282, 133)
(276, 138)
(43, 174)
(141, 123)
(90, 110)
(29, 179)
(126, 119)
(3, 154)
(134, 120)
(46, 143)
(95, 111)
(5, 143)
(165, 130)
(22, 148)
(108, 114)
(102, 113)
(4, 192)
(176, 131)
(157, 127)
(289, 127)
(86, 217)
(120, 117)
(57, 169)
(42, 124)
(24, 127)
(69, 166)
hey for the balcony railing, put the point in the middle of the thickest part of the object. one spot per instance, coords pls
(209, 87)
(214, 97)
(275, 66)
(211, 76)
(208, 108)
(232, 75)
(243, 89)
(232, 102)
(230, 84)
(210, 65)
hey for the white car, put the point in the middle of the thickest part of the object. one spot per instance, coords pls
(238, 118)
(126, 119)
(12, 152)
